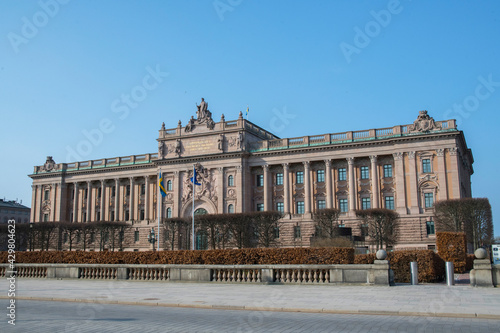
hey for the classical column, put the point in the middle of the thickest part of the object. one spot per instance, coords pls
(177, 186)
(352, 185)
(38, 213)
(400, 183)
(103, 199)
(131, 201)
(240, 188)
(375, 182)
(53, 202)
(61, 203)
(328, 183)
(146, 197)
(220, 191)
(34, 204)
(266, 187)
(286, 189)
(412, 166)
(89, 201)
(307, 187)
(117, 201)
(75, 203)
(443, 182)
(455, 174)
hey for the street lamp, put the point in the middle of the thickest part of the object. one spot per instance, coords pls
(31, 236)
(152, 237)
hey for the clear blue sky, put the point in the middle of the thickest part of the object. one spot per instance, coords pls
(64, 69)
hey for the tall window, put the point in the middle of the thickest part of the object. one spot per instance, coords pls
(99, 192)
(343, 205)
(113, 191)
(46, 195)
(85, 193)
(321, 176)
(365, 172)
(260, 207)
(98, 216)
(169, 212)
(230, 209)
(389, 202)
(429, 200)
(342, 174)
(84, 216)
(365, 203)
(45, 217)
(321, 204)
(230, 180)
(276, 232)
(128, 190)
(260, 180)
(300, 177)
(143, 189)
(430, 228)
(127, 215)
(169, 185)
(387, 170)
(280, 207)
(426, 166)
(142, 214)
(136, 236)
(112, 215)
(296, 231)
(300, 207)
(279, 179)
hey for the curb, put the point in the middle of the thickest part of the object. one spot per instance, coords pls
(253, 308)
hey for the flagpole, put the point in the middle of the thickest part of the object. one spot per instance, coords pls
(194, 189)
(160, 209)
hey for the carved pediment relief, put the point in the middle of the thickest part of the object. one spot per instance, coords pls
(424, 123)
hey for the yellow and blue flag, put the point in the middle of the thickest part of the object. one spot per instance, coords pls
(193, 179)
(162, 188)
(247, 111)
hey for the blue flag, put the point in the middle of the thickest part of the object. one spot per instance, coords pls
(162, 189)
(193, 179)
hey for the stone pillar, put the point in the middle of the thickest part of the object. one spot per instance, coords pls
(89, 200)
(38, 213)
(34, 204)
(103, 199)
(61, 203)
(375, 182)
(481, 275)
(177, 186)
(352, 186)
(53, 193)
(146, 197)
(443, 182)
(131, 201)
(117, 197)
(286, 189)
(220, 191)
(307, 187)
(400, 203)
(266, 187)
(240, 189)
(455, 175)
(414, 206)
(328, 183)
(75, 203)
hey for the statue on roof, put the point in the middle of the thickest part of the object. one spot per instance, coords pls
(204, 116)
(424, 123)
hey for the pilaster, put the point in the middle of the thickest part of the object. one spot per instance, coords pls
(375, 182)
(412, 165)
(352, 186)
(400, 183)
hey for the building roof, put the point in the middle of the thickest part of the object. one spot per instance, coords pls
(11, 204)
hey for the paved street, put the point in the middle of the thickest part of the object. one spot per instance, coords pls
(70, 317)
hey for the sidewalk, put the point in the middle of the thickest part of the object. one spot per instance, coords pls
(405, 300)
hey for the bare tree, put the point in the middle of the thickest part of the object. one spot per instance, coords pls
(327, 223)
(264, 225)
(382, 225)
(240, 229)
(171, 229)
(71, 230)
(450, 215)
(45, 235)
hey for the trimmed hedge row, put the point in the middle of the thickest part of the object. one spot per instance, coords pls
(452, 246)
(430, 265)
(262, 256)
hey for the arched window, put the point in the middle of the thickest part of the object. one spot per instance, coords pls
(200, 211)
(169, 212)
(230, 208)
(169, 185)
(230, 180)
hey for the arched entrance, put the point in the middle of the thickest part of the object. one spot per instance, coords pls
(201, 235)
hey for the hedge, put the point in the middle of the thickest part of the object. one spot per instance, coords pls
(260, 256)
(430, 265)
(452, 246)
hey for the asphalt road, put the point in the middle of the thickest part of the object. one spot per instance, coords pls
(72, 317)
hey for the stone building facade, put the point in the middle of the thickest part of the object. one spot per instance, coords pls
(246, 168)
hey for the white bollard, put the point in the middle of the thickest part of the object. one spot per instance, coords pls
(414, 273)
